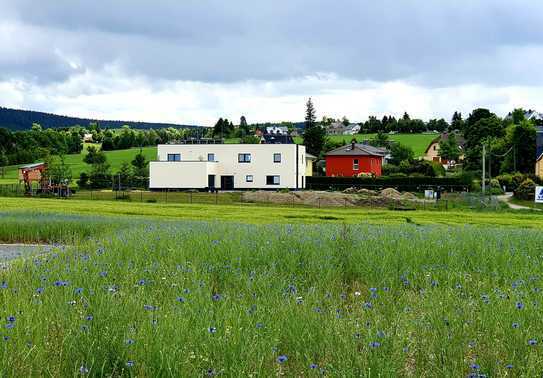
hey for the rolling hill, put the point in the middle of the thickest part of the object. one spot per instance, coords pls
(15, 119)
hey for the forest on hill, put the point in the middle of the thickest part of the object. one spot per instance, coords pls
(15, 120)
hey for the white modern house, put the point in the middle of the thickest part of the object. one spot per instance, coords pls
(229, 166)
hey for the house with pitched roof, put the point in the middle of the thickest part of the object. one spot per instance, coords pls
(355, 159)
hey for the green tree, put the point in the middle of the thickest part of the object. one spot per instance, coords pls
(244, 129)
(380, 140)
(517, 116)
(94, 156)
(3, 162)
(481, 126)
(457, 123)
(521, 139)
(345, 121)
(58, 171)
(314, 134)
(140, 164)
(449, 148)
(124, 175)
(400, 153)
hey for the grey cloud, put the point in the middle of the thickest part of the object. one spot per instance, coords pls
(430, 43)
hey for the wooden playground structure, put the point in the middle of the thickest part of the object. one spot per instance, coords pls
(37, 181)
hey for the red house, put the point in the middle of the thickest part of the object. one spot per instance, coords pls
(354, 159)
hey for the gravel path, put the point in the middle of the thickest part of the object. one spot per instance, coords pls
(507, 197)
(14, 251)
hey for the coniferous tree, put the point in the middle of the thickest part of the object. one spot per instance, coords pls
(314, 134)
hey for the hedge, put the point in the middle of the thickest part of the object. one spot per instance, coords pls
(417, 184)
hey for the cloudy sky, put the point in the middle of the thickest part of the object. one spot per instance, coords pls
(193, 61)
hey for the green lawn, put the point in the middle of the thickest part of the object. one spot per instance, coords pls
(255, 213)
(367, 295)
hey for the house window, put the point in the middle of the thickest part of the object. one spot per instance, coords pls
(272, 180)
(277, 158)
(174, 157)
(210, 157)
(434, 147)
(244, 158)
(249, 178)
(356, 165)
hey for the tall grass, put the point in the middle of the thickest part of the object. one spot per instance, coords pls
(204, 298)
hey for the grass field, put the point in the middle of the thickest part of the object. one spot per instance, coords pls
(148, 296)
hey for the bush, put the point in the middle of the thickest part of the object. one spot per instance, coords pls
(507, 181)
(83, 181)
(526, 190)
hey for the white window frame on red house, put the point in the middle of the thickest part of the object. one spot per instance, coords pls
(356, 164)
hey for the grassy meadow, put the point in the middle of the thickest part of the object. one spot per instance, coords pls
(143, 296)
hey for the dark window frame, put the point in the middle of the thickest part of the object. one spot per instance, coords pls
(178, 156)
(270, 180)
(212, 154)
(247, 178)
(356, 164)
(242, 158)
(275, 155)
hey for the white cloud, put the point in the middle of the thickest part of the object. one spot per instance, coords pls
(110, 94)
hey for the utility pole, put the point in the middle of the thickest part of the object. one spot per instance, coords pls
(484, 166)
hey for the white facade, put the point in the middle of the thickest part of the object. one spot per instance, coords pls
(229, 166)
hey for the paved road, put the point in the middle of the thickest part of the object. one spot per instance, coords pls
(14, 251)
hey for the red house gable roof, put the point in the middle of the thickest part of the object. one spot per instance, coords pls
(357, 149)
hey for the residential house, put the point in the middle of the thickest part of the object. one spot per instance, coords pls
(355, 159)
(229, 166)
(539, 152)
(338, 128)
(432, 151)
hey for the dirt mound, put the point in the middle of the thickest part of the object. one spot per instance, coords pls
(391, 193)
(367, 192)
(409, 196)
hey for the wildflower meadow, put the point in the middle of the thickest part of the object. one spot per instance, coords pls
(149, 298)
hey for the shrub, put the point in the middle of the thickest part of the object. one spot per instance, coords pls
(526, 190)
(83, 181)
(507, 181)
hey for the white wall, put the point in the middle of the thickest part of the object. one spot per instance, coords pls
(192, 171)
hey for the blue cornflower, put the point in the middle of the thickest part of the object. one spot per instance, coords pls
(475, 366)
(216, 297)
(149, 307)
(375, 344)
(4, 285)
(435, 283)
(516, 325)
(181, 299)
(186, 291)
(84, 328)
(282, 359)
(61, 283)
(212, 330)
(259, 325)
(313, 366)
(532, 342)
(357, 335)
(79, 290)
(373, 289)
(317, 309)
(10, 325)
(211, 372)
(129, 363)
(40, 290)
(509, 366)
(83, 369)
(485, 298)
(89, 317)
(520, 305)
(10, 318)
(141, 282)
(367, 305)
(292, 289)
(130, 342)
(103, 274)
(6, 338)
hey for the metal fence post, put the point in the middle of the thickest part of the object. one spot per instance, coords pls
(216, 198)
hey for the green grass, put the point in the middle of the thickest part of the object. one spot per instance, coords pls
(158, 297)
(258, 214)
